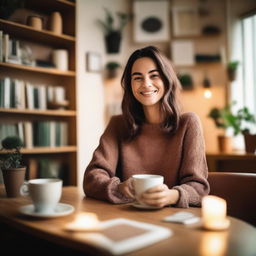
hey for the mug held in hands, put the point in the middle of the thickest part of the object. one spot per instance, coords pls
(45, 193)
(143, 182)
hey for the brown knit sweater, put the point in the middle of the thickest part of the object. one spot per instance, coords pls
(180, 158)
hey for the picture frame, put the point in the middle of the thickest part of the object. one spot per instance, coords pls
(185, 21)
(151, 24)
(93, 62)
(183, 52)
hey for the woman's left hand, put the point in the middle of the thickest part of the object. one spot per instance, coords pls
(160, 196)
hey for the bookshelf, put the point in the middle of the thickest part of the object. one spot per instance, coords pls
(43, 42)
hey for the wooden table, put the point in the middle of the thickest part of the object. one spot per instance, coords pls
(239, 239)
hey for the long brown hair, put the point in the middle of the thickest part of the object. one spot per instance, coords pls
(132, 109)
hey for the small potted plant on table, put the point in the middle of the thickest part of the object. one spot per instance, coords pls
(10, 164)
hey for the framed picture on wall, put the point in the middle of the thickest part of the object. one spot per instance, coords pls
(93, 62)
(183, 52)
(185, 21)
(151, 21)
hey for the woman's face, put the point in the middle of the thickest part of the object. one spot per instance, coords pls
(146, 82)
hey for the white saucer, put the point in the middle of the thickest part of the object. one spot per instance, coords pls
(60, 210)
(148, 207)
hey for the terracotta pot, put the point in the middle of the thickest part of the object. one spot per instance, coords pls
(13, 179)
(224, 144)
(250, 142)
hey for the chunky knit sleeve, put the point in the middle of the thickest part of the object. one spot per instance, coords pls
(193, 184)
(100, 181)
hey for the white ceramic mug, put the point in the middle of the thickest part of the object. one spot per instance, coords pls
(143, 182)
(45, 193)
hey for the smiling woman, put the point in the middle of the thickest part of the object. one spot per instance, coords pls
(150, 137)
(147, 87)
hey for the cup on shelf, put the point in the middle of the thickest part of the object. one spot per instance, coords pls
(35, 21)
(55, 23)
(44, 193)
(143, 182)
(60, 59)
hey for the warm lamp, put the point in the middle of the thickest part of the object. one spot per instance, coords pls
(207, 88)
(214, 213)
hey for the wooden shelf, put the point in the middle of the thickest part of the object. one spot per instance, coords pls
(47, 150)
(47, 112)
(195, 37)
(232, 155)
(42, 43)
(51, 71)
(40, 36)
(201, 65)
(61, 5)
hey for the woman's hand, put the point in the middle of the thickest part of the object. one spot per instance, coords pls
(160, 196)
(126, 188)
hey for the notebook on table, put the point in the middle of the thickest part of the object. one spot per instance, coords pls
(119, 236)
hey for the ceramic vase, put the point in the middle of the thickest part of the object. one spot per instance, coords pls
(60, 59)
(56, 23)
(36, 22)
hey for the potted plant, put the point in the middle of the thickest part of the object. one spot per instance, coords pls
(113, 34)
(10, 164)
(186, 81)
(231, 70)
(247, 123)
(112, 68)
(224, 119)
(241, 122)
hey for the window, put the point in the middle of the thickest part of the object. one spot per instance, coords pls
(243, 90)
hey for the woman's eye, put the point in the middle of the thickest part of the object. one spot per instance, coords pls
(137, 78)
(154, 76)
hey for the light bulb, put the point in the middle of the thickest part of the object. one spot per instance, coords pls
(207, 93)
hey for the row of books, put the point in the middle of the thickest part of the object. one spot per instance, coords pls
(10, 49)
(15, 93)
(37, 134)
(46, 168)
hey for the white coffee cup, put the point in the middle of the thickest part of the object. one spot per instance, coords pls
(45, 193)
(143, 182)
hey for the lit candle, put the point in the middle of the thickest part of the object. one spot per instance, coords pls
(84, 222)
(214, 211)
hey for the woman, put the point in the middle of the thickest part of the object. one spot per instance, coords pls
(151, 136)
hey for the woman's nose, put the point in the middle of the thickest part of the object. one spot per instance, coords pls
(147, 82)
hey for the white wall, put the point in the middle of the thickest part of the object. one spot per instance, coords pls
(90, 96)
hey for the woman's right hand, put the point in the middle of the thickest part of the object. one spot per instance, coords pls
(126, 188)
